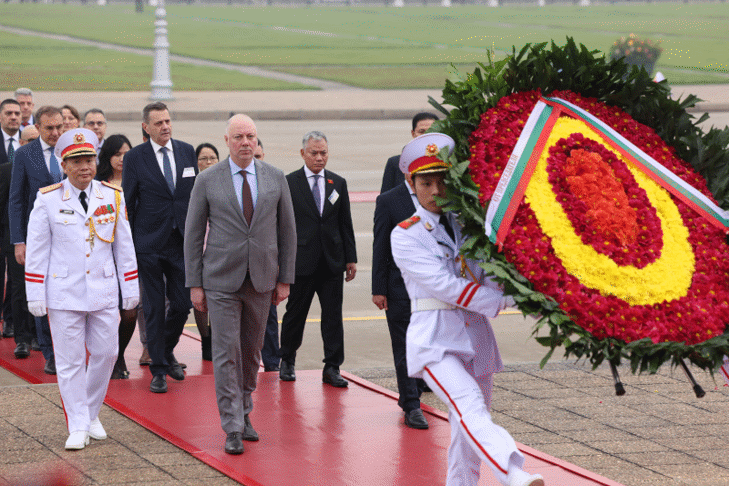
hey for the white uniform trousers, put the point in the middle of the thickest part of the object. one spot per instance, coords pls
(83, 388)
(474, 437)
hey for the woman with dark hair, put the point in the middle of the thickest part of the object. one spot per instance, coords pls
(111, 159)
(111, 163)
(207, 155)
(71, 118)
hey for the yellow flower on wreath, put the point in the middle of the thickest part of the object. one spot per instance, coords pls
(666, 279)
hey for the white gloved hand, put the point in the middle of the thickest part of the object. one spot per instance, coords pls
(37, 308)
(130, 303)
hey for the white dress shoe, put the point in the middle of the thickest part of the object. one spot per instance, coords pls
(96, 430)
(523, 478)
(77, 440)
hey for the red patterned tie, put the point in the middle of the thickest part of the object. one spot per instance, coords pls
(247, 199)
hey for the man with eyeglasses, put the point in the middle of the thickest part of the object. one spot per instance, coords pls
(95, 121)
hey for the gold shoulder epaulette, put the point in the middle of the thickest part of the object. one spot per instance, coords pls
(113, 186)
(409, 222)
(50, 188)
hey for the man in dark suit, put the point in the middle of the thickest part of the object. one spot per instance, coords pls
(392, 176)
(389, 293)
(35, 166)
(10, 126)
(157, 180)
(325, 251)
(244, 264)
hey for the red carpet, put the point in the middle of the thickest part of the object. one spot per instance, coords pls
(311, 434)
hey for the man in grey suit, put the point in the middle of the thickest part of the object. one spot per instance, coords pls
(247, 262)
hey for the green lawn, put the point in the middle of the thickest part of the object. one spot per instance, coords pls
(46, 65)
(383, 47)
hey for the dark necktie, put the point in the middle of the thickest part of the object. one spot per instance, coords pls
(82, 198)
(447, 226)
(247, 199)
(315, 192)
(11, 151)
(168, 169)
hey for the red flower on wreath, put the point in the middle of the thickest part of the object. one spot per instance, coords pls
(614, 218)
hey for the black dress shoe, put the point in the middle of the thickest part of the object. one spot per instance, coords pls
(159, 384)
(118, 373)
(287, 372)
(332, 377)
(234, 443)
(249, 433)
(271, 368)
(50, 367)
(175, 371)
(9, 332)
(34, 345)
(22, 350)
(415, 419)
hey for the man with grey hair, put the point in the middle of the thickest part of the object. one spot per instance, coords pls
(24, 96)
(325, 253)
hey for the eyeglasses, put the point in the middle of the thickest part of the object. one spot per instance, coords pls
(207, 159)
(95, 124)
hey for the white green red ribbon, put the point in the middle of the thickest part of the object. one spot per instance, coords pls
(515, 179)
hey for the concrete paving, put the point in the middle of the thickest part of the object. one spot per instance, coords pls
(658, 434)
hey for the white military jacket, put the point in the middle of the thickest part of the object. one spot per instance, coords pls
(75, 259)
(460, 305)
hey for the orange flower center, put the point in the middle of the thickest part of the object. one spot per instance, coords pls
(591, 179)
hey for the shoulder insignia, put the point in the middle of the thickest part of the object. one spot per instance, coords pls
(50, 188)
(409, 222)
(113, 186)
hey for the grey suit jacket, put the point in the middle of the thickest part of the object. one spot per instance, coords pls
(266, 249)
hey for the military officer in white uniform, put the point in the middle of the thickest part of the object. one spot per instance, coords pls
(79, 253)
(450, 343)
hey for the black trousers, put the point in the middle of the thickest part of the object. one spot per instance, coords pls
(330, 289)
(270, 349)
(7, 308)
(398, 319)
(23, 322)
(163, 273)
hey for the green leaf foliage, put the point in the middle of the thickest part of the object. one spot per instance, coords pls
(579, 69)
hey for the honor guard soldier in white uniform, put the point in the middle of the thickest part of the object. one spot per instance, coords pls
(79, 254)
(450, 343)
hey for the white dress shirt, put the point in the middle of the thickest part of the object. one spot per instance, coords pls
(250, 174)
(15, 142)
(160, 160)
(47, 150)
(414, 197)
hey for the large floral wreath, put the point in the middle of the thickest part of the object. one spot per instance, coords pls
(615, 265)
